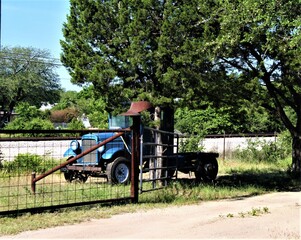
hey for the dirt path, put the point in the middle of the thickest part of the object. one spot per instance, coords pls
(210, 220)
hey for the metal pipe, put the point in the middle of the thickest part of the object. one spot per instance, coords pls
(33, 183)
(141, 161)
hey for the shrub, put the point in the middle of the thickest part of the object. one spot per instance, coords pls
(64, 115)
(75, 125)
(191, 144)
(265, 151)
(27, 163)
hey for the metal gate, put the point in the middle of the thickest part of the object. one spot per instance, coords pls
(30, 177)
(158, 159)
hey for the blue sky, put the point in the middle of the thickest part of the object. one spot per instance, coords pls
(38, 24)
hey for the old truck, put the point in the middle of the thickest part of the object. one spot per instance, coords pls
(113, 160)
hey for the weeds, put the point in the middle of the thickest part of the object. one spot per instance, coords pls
(262, 151)
(27, 162)
(255, 212)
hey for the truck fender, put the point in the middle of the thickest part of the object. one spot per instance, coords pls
(69, 153)
(109, 154)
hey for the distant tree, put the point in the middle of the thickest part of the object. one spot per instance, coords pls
(87, 102)
(91, 104)
(68, 99)
(26, 75)
(202, 122)
(30, 118)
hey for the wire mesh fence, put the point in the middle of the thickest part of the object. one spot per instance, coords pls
(52, 169)
(26, 156)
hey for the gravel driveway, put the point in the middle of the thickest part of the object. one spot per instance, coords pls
(278, 217)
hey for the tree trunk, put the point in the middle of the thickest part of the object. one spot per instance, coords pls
(296, 155)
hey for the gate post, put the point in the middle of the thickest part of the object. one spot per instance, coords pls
(134, 112)
(135, 158)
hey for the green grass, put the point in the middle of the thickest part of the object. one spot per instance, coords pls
(16, 193)
(236, 179)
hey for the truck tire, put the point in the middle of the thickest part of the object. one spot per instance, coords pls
(207, 169)
(119, 171)
(69, 176)
(75, 176)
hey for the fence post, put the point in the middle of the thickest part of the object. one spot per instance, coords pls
(33, 183)
(135, 158)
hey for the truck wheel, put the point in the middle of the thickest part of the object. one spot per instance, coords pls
(119, 171)
(80, 177)
(75, 176)
(207, 170)
(69, 176)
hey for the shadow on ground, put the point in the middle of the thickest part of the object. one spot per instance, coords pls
(270, 181)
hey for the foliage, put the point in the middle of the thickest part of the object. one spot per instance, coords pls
(265, 151)
(75, 125)
(30, 118)
(93, 106)
(191, 143)
(67, 100)
(248, 118)
(65, 115)
(147, 50)
(84, 103)
(156, 51)
(26, 75)
(27, 163)
(187, 53)
(203, 122)
(258, 43)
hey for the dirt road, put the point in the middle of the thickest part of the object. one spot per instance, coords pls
(278, 217)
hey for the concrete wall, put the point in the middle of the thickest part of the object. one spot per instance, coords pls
(56, 149)
(224, 146)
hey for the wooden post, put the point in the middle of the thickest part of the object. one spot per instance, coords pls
(135, 158)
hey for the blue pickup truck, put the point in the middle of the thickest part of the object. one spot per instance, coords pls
(113, 160)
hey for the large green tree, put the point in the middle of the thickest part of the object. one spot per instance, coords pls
(26, 75)
(138, 49)
(259, 43)
(190, 52)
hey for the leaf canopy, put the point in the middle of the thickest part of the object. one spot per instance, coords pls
(27, 75)
(140, 50)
